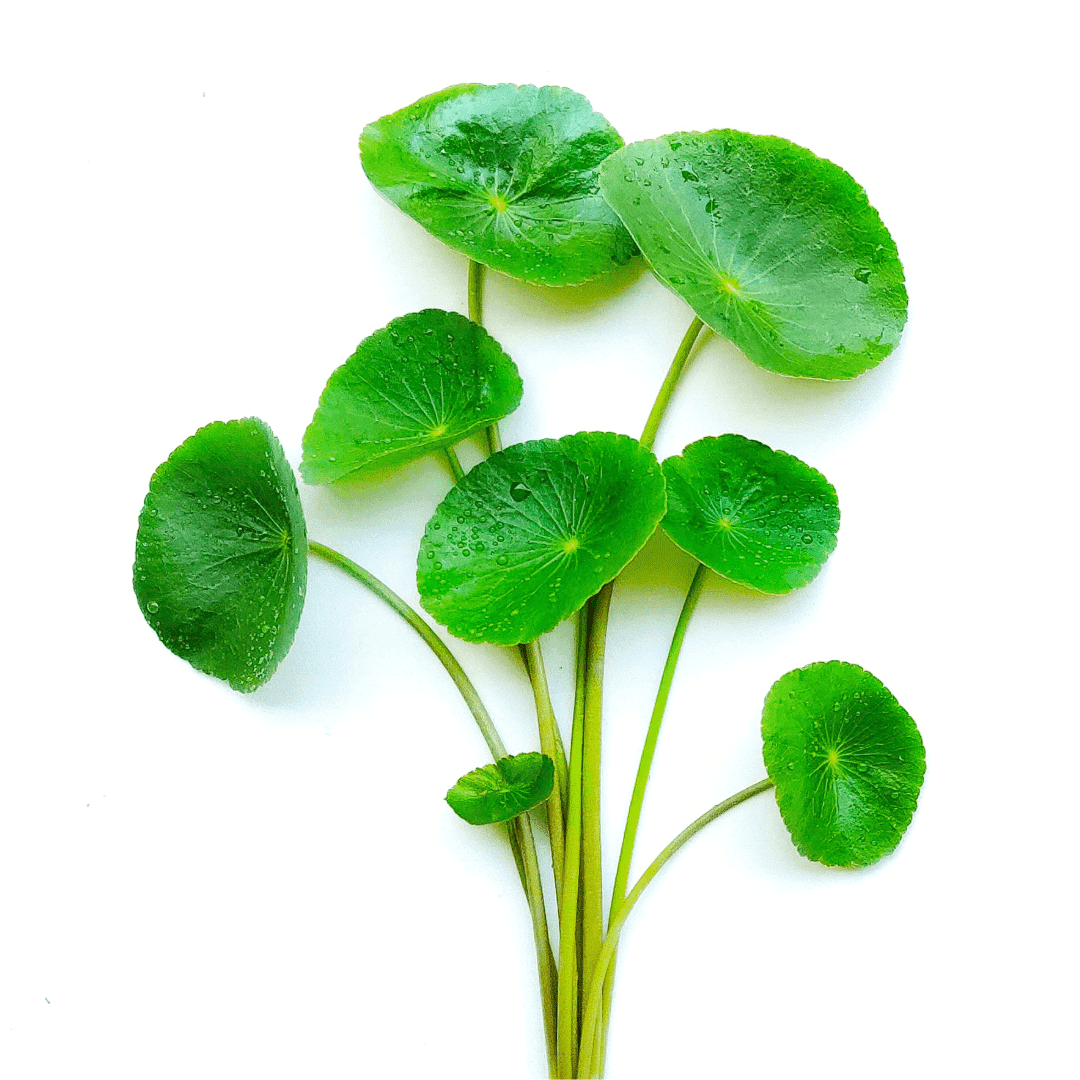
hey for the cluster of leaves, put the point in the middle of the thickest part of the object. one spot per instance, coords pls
(774, 248)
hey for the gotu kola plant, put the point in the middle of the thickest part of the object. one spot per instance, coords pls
(771, 246)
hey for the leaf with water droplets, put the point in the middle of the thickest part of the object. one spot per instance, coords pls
(755, 515)
(774, 248)
(221, 553)
(530, 534)
(424, 382)
(506, 174)
(501, 791)
(847, 761)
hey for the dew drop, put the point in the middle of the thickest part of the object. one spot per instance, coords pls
(862, 274)
(152, 607)
(519, 492)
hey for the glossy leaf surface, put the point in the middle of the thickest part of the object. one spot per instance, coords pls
(503, 790)
(774, 248)
(847, 761)
(221, 553)
(506, 174)
(530, 534)
(424, 382)
(755, 515)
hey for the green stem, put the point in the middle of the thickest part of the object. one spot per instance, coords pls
(455, 464)
(592, 1008)
(434, 642)
(476, 292)
(633, 816)
(652, 425)
(550, 745)
(592, 899)
(545, 959)
(569, 941)
(476, 313)
(522, 841)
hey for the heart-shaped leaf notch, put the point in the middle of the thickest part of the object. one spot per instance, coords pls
(501, 791)
(847, 761)
(774, 248)
(221, 553)
(506, 174)
(424, 382)
(532, 532)
(755, 515)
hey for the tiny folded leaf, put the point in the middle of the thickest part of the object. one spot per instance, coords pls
(424, 382)
(527, 536)
(221, 553)
(847, 761)
(501, 791)
(506, 174)
(755, 515)
(773, 247)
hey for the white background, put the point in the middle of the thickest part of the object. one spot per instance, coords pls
(199, 883)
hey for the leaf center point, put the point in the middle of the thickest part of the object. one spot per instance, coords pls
(729, 285)
(498, 202)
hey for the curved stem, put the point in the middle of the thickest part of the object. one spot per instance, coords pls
(592, 1007)
(522, 841)
(434, 642)
(569, 941)
(633, 815)
(455, 463)
(652, 425)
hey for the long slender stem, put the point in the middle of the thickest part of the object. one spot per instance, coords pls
(592, 899)
(549, 744)
(652, 425)
(545, 958)
(593, 1002)
(434, 642)
(455, 463)
(522, 841)
(569, 968)
(633, 816)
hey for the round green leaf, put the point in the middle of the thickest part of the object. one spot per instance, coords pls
(530, 534)
(847, 761)
(757, 516)
(425, 381)
(507, 175)
(501, 791)
(773, 247)
(221, 553)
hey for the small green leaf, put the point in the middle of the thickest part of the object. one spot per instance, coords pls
(757, 516)
(501, 791)
(221, 553)
(506, 174)
(530, 534)
(776, 249)
(424, 382)
(847, 761)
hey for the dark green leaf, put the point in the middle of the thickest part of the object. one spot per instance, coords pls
(426, 381)
(757, 516)
(501, 791)
(530, 534)
(774, 248)
(221, 553)
(847, 761)
(507, 175)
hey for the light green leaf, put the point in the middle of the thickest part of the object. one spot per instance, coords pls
(757, 516)
(501, 791)
(424, 382)
(507, 175)
(774, 248)
(530, 534)
(847, 761)
(221, 553)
